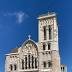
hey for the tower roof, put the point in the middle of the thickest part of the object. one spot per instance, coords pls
(47, 15)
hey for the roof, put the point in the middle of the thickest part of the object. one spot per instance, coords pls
(15, 50)
(29, 41)
(47, 15)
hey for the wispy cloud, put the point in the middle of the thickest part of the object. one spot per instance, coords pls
(20, 16)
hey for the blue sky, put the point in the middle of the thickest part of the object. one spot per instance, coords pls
(18, 19)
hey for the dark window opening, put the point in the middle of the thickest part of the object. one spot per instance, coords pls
(43, 46)
(29, 60)
(63, 68)
(22, 64)
(32, 62)
(44, 64)
(25, 62)
(50, 32)
(15, 67)
(35, 62)
(44, 29)
(49, 64)
(11, 67)
(49, 52)
(49, 46)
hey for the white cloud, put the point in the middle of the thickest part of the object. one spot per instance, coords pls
(20, 16)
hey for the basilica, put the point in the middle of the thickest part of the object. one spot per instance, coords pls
(41, 56)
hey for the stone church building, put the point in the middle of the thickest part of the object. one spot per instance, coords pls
(41, 56)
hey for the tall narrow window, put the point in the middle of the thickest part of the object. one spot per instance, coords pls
(44, 64)
(43, 46)
(63, 68)
(50, 32)
(49, 64)
(32, 62)
(44, 29)
(29, 61)
(25, 62)
(22, 64)
(11, 67)
(15, 67)
(35, 62)
(49, 46)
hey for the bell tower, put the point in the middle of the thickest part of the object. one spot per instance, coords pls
(48, 43)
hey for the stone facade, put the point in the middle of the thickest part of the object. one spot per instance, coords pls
(41, 56)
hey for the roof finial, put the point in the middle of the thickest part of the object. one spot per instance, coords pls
(29, 36)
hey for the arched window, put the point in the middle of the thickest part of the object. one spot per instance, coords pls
(44, 46)
(49, 64)
(44, 64)
(49, 46)
(11, 67)
(26, 62)
(32, 62)
(22, 64)
(50, 32)
(35, 62)
(15, 67)
(44, 30)
(29, 61)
